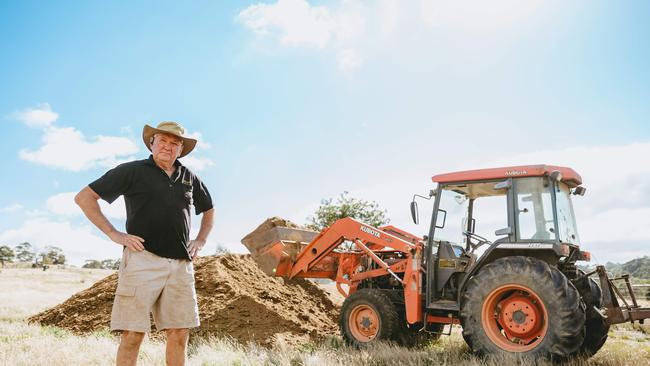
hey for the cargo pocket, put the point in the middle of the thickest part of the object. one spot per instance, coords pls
(124, 307)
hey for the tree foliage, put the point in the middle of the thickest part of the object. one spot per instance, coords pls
(92, 263)
(24, 252)
(345, 206)
(52, 255)
(104, 264)
(111, 264)
(6, 254)
(221, 249)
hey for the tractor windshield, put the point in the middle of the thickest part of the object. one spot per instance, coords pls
(565, 218)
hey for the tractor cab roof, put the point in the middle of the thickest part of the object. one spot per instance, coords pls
(569, 176)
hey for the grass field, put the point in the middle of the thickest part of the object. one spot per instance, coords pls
(24, 292)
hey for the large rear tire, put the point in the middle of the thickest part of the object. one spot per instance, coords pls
(368, 316)
(522, 305)
(596, 328)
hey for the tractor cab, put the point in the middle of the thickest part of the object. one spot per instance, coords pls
(482, 215)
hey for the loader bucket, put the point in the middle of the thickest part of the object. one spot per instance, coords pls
(275, 244)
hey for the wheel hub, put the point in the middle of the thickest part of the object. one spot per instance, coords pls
(517, 318)
(364, 323)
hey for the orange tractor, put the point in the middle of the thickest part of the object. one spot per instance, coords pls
(523, 294)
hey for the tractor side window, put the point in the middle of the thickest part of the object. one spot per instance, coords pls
(490, 214)
(534, 210)
(456, 205)
(565, 218)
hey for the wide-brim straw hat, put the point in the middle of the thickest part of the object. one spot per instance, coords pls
(171, 128)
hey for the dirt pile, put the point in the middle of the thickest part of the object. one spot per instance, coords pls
(235, 297)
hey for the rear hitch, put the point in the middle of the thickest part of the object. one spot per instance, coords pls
(612, 311)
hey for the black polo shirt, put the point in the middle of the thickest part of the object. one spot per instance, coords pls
(157, 206)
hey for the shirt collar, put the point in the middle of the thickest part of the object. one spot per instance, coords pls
(150, 161)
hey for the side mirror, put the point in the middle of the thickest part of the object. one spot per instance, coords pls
(414, 212)
(440, 219)
(579, 191)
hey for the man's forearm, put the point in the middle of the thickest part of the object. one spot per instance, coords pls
(87, 200)
(207, 221)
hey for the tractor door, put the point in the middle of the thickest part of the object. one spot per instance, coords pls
(446, 244)
(463, 213)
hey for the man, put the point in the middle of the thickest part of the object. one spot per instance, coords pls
(156, 273)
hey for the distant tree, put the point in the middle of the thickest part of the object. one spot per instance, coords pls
(52, 255)
(104, 264)
(24, 252)
(110, 264)
(6, 254)
(221, 249)
(345, 206)
(92, 263)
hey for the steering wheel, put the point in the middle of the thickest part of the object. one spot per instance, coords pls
(481, 240)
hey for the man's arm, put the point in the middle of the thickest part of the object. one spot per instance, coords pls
(207, 220)
(87, 200)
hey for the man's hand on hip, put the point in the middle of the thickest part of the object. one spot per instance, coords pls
(132, 242)
(194, 246)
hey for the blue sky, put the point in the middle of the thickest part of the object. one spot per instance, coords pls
(296, 101)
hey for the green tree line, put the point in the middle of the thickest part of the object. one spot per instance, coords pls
(26, 253)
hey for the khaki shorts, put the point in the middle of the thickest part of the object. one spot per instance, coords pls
(151, 284)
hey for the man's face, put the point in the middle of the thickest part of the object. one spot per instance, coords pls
(166, 147)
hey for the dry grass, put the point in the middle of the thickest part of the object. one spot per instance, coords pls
(25, 291)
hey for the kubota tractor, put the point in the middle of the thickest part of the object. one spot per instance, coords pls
(523, 294)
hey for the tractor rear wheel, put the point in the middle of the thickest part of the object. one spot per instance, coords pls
(369, 316)
(596, 328)
(522, 305)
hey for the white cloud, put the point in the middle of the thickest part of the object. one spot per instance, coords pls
(67, 148)
(196, 164)
(11, 208)
(349, 59)
(78, 242)
(297, 22)
(40, 116)
(478, 16)
(355, 30)
(201, 144)
(63, 204)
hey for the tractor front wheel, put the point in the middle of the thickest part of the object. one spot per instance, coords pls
(368, 316)
(522, 305)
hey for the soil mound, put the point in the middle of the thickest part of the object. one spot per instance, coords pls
(235, 298)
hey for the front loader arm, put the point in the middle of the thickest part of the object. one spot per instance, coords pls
(347, 229)
(287, 252)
